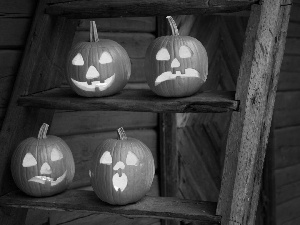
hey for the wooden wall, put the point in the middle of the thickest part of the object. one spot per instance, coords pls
(286, 129)
(200, 137)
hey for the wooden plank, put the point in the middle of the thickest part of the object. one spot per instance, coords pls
(17, 8)
(46, 47)
(288, 136)
(40, 217)
(290, 63)
(152, 207)
(292, 46)
(288, 211)
(168, 155)
(127, 24)
(295, 17)
(294, 29)
(286, 118)
(286, 156)
(82, 218)
(289, 81)
(9, 63)
(287, 175)
(83, 146)
(119, 8)
(70, 123)
(6, 85)
(16, 32)
(248, 133)
(132, 100)
(287, 192)
(287, 100)
(135, 44)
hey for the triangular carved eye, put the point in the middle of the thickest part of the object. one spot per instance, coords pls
(163, 54)
(105, 58)
(185, 52)
(56, 155)
(29, 160)
(106, 158)
(132, 159)
(78, 60)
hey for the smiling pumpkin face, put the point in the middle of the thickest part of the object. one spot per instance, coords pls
(42, 166)
(176, 66)
(96, 69)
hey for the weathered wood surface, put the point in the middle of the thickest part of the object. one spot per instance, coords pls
(256, 90)
(46, 46)
(153, 207)
(40, 217)
(119, 8)
(168, 155)
(132, 100)
(134, 43)
(70, 123)
(127, 24)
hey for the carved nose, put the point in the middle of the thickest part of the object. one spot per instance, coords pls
(46, 169)
(92, 73)
(175, 63)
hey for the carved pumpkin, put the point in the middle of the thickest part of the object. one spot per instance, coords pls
(176, 66)
(122, 170)
(98, 68)
(42, 166)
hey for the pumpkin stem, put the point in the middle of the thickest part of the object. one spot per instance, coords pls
(43, 131)
(122, 134)
(93, 32)
(173, 25)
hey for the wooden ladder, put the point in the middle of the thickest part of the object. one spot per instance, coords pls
(37, 94)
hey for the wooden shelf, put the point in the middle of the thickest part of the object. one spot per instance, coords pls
(131, 100)
(120, 8)
(155, 207)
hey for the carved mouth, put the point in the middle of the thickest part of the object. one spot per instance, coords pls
(170, 76)
(94, 85)
(43, 179)
(120, 182)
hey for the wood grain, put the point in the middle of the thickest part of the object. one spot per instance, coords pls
(132, 100)
(126, 24)
(70, 123)
(119, 8)
(152, 207)
(248, 134)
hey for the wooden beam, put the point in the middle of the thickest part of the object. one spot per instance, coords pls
(248, 135)
(133, 8)
(149, 206)
(132, 100)
(41, 68)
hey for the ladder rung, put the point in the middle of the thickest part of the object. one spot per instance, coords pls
(122, 8)
(132, 100)
(152, 207)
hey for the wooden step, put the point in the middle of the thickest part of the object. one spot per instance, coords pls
(121, 8)
(152, 207)
(131, 100)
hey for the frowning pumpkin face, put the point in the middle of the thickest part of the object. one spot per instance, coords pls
(42, 166)
(176, 66)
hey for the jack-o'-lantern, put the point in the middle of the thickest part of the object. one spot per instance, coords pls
(97, 68)
(176, 66)
(42, 166)
(122, 170)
